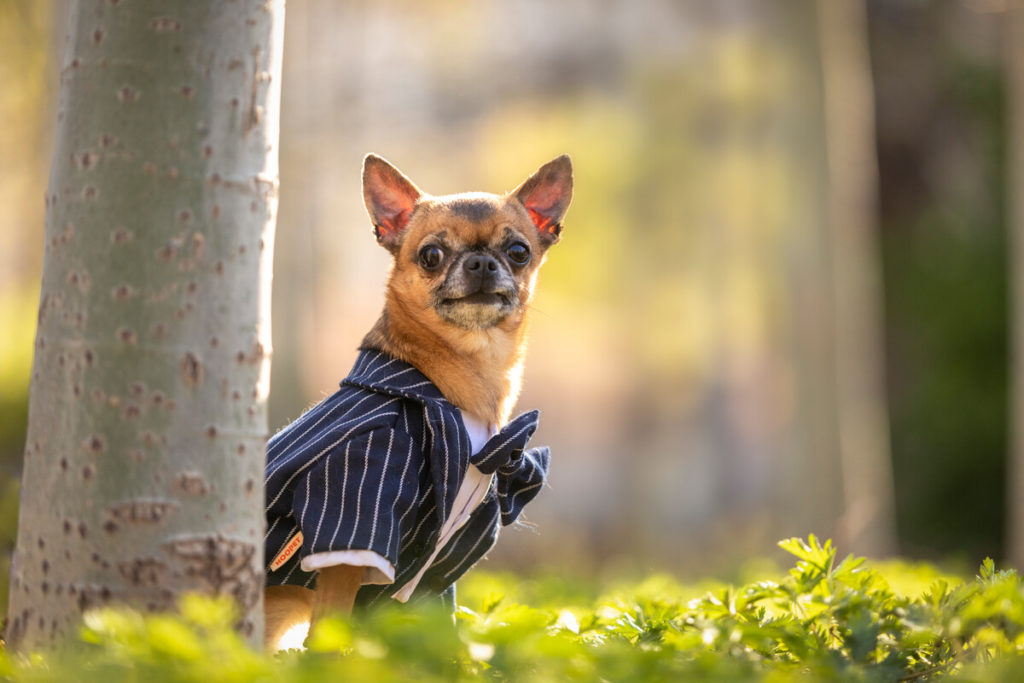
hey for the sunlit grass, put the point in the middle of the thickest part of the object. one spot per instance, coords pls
(826, 618)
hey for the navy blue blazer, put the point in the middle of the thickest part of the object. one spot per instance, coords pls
(376, 466)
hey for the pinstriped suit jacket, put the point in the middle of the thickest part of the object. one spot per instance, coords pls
(376, 466)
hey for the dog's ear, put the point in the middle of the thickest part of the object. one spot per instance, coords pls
(546, 195)
(390, 198)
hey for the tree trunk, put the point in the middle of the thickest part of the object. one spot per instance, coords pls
(866, 525)
(145, 448)
(1013, 40)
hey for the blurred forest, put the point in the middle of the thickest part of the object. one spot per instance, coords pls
(781, 304)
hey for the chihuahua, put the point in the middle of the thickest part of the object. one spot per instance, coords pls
(395, 485)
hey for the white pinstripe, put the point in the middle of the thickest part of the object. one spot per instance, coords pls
(359, 500)
(323, 510)
(276, 447)
(379, 368)
(360, 361)
(433, 440)
(392, 376)
(380, 487)
(285, 487)
(415, 504)
(271, 529)
(272, 442)
(405, 471)
(344, 485)
(454, 543)
(470, 552)
(284, 461)
(506, 442)
(444, 489)
(524, 490)
(416, 532)
(458, 439)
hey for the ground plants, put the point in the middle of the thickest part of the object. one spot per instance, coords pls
(826, 619)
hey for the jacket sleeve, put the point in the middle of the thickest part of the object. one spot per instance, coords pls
(356, 495)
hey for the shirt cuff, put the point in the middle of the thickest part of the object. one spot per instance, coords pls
(378, 569)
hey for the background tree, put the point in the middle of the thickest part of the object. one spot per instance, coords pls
(28, 67)
(144, 454)
(942, 147)
(867, 521)
(1014, 44)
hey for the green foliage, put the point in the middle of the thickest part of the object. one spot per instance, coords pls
(825, 620)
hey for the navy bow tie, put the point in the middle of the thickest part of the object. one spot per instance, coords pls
(504, 449)
(520, 471)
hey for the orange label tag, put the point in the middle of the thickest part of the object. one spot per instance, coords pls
(287, 552)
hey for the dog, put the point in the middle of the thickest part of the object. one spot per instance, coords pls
(398, 483)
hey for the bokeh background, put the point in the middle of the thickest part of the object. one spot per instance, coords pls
(781, 304)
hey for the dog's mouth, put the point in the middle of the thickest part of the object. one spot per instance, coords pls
(479, 299)
(479, 310)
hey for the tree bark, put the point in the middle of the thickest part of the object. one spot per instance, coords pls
(145, 448)
(866, 525)
(1013, 40)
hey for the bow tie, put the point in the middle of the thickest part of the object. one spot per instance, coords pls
(520, 471)
(503, 450)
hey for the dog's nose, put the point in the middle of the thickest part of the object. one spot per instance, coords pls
(480, 271)
(480, 265)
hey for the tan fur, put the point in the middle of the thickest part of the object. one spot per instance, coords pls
(477, 370)
(284, 607)
(472, 352)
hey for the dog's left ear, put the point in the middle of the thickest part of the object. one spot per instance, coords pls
(390, 198)
(546, 195)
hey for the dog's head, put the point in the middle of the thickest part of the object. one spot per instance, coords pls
(466, 260)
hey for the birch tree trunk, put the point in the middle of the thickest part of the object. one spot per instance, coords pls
(1013, 40)
(145, 447)
(866, 525)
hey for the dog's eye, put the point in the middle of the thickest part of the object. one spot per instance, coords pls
(518, 253)
(431, 256)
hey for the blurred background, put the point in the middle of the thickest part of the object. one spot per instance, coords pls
(781, 304)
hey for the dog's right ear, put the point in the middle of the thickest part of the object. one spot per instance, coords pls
(390, 198)
(546, 195)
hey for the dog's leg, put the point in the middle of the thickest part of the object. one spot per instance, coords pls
(288, 606)
(336, 589)
(284, 608)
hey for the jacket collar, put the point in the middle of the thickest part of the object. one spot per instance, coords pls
(386, 374)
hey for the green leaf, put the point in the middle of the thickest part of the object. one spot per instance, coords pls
(822, 620)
